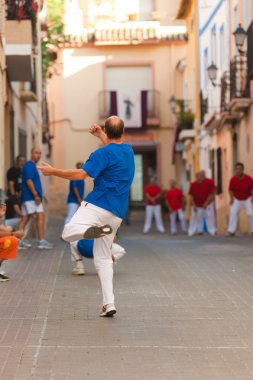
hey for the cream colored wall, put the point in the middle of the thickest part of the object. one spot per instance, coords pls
(74, 99)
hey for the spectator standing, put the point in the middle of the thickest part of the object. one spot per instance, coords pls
(14, 176)
(31, 198)
(174, 201)
(153, 206)
(75, 196)
(241, 195)
(202, 195)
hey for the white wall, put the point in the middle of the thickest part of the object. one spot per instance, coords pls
(213, 16)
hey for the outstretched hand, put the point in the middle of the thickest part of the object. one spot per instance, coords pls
(45, 169)
(96, 130)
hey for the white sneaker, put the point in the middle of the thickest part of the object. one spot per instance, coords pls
(22, 245)
(117, 251)
(44, 244)
(78, 270)
(108, 311)
(26, 243)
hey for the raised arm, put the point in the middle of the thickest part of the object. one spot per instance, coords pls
(49, 170)
(97, 131)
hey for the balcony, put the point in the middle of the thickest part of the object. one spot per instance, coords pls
(19, 50)
(239, 85)
(109, 104)
(129, 33)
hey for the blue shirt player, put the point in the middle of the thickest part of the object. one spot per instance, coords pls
(102, 211)
(75, 195)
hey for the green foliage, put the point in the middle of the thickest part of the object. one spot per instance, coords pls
(54, 37)
(185, 116)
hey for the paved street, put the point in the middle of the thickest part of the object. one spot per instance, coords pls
(185, 311)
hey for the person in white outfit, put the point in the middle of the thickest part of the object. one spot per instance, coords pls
(153, 206)
(101, 213)
(241, 195)
(202, 195)
(174, 201)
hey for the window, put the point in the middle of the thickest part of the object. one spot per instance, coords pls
(222, 47)
(213, 44)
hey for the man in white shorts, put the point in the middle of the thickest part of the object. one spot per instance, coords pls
(102, 211)
(31, 198)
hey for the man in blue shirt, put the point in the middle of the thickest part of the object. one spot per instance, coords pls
(75, 196)
(100, 215)
(31, 199)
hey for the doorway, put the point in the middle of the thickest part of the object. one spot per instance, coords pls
(145, 166)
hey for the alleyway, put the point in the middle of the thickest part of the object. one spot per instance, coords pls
(185, 311)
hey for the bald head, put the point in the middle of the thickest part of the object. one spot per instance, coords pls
(114, 127)
(35, 154)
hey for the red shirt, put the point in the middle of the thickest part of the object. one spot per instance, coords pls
(201, 191)
(241, 187)
(152, 191)
(174, 198)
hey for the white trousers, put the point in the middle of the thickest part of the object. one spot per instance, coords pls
(234, 211)
(156, 212)
(173, 221)
(198, 217)
(86, 216)
(76, 256)
(72, 208)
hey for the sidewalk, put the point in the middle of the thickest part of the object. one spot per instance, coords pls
(185, 311)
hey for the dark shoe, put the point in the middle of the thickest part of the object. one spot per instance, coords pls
(230, 234)
(96, 232)
(4, 278)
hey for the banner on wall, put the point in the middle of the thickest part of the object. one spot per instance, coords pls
(129, 108)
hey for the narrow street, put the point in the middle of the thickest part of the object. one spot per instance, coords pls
(185, 311)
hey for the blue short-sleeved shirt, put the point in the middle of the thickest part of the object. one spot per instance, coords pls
(79, 184)
(30, 171)
(112, 168)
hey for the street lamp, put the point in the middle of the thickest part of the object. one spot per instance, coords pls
(240, 35)
(212, 73)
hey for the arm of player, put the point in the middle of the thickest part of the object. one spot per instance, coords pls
(48, 170)
(32, 189)
(97, 131)
(76, 193)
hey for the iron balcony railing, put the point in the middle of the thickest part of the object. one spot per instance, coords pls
(108, 101)
(225, 92)
(239, 77)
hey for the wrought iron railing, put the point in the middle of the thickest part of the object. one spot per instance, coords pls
(203, 106)
(107, 98)
(225, 92)
(239, 77)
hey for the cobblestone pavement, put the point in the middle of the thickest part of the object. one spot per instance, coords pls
(185, 311)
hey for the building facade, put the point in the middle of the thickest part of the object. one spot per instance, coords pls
(226, 97)
(120, 61)
(20, 82)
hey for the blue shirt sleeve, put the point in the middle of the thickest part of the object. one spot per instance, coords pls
(73, 183)
(97, 162)
(28, 171)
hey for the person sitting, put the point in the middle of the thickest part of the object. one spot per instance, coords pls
(9, 240)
